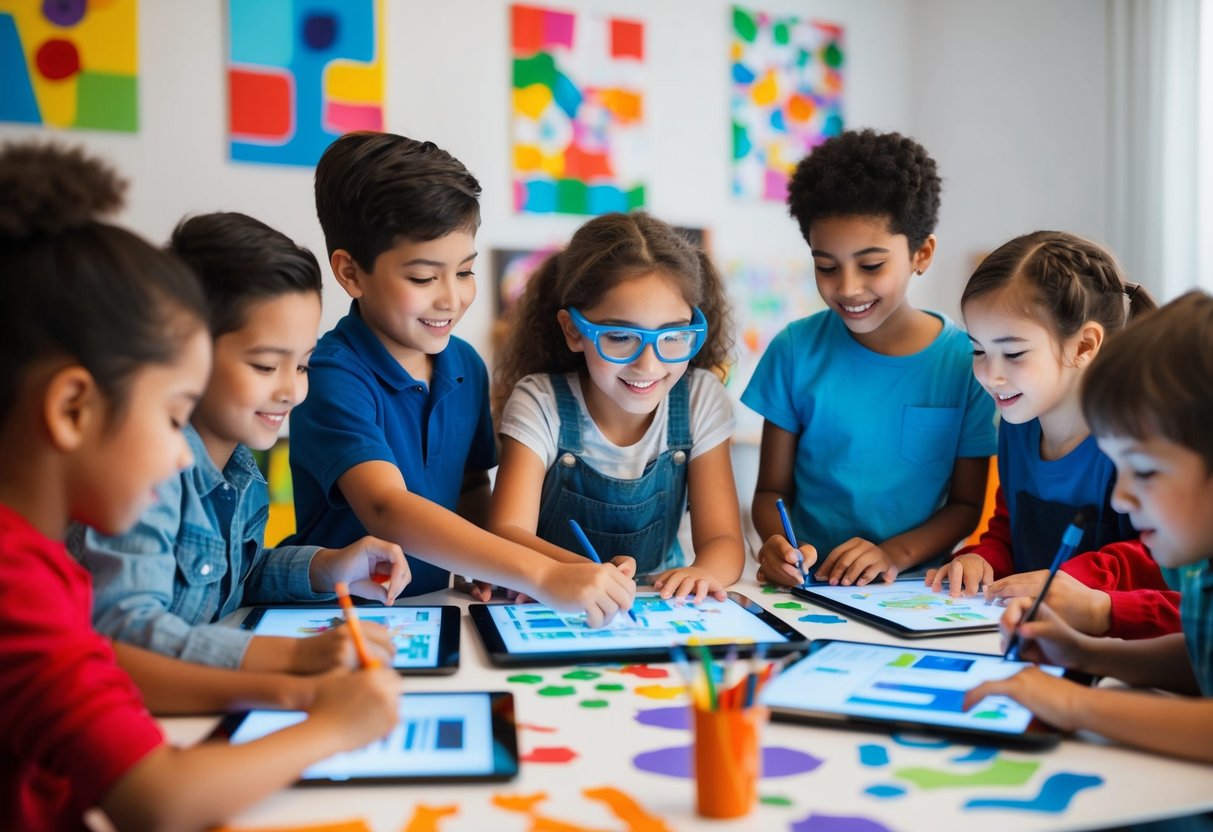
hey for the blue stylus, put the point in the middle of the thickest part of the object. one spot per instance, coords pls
(592, 553)
(1069, 543)
(791, 536)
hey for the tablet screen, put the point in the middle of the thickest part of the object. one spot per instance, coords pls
(908, 605)
(447, 736)
(417, 632)
(892, 683)
(531, 629)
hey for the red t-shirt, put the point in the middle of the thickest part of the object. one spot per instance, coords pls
(72, 722)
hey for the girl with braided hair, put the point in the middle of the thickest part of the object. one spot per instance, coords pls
(1037, 311)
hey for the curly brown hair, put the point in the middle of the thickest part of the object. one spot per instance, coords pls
(603, 252)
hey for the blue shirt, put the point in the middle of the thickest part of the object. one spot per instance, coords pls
(878, 435)
(362, 406)
(193, 557)
(1195, 584)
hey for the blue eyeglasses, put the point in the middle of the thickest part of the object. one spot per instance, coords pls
(624, 344)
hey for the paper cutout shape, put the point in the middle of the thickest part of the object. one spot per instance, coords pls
(998, 773)
(1054, 796)
(837, 823)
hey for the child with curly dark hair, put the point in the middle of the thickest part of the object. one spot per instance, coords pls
(876, 433)
(614, 416)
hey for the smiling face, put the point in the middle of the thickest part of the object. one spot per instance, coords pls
(1167, 491)
(260, 375)
(622, 392)
(1019, 362)
(863, 271)
(414, 295)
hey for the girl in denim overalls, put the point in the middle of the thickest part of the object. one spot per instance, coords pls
(1037, 311)
(614, 417)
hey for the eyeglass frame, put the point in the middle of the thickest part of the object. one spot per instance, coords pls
(648, 337)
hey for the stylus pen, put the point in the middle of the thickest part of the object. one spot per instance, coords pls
(592, 554)
(1069, 543)
(791, 536)
(351, 620)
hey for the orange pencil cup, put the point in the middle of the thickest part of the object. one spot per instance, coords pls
(728, 759)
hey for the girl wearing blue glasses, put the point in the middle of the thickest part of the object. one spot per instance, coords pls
(614, 417)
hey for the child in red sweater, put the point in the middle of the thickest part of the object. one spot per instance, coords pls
(1038, 310)
(104, 355)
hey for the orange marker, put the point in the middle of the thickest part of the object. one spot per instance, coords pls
(351, 620)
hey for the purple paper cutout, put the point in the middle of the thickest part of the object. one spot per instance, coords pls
(837, 823)
(776, 762)
(676, 717)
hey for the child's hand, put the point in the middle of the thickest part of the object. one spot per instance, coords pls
(1046, 639)
(858, 562)
(965, 574)
(625, 564)
(479, 590)
(1052, 699)
(335, 648)
(778, 561)
(361, 706)
(688, 580)
(373, 568)
(598, 590)
(1083, 608)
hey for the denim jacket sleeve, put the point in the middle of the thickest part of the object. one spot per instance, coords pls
(142, 597)
(283, 574)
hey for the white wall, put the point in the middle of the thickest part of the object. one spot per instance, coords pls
(1011, 99)
(449, 81)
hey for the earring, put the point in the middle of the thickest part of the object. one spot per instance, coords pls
(918, 271)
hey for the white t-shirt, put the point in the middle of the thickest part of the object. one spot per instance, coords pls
(530, 416)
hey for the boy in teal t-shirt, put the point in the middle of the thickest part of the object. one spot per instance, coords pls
(876, 433)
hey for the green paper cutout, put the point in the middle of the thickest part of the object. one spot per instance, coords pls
(775, 800)
(789, 605)
(581, 675)
(999, 773)
(610, 687)
(594, 703)
(557, 690)
(525, 679)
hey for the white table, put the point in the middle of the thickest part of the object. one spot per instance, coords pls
(1135, 786)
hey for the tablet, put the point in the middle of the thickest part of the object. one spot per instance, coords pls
(907, 608)
(426, 638)
(879, 686)
(441, 738)
(521, 635)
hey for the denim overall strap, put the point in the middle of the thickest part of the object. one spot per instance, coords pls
(1039, 525)
(636, 517)
(570, 415)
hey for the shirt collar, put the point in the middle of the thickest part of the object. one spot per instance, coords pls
(447, 373)
(240, 470)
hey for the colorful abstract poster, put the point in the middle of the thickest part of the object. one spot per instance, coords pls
(767, 295)
(787, 97)
(577, 113)
(302, 73)
(70, 63)
(512, 268)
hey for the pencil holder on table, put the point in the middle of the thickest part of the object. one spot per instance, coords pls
(727, 759)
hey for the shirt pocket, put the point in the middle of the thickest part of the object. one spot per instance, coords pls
(930, 435)
(202, 564)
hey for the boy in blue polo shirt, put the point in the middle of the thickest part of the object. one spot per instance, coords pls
(396, 433)
(1147, 398)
